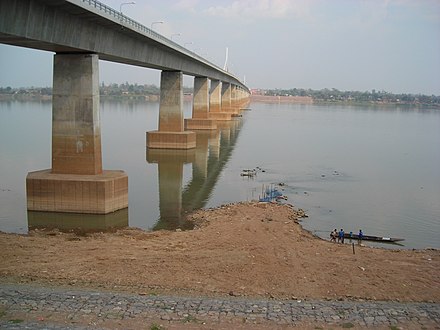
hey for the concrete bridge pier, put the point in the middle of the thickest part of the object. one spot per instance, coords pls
(239, 99)
(215, 102)
(234, 99)
(200, 111)
(171, 133)
(227, 99)
(243, 98)
(76, 182)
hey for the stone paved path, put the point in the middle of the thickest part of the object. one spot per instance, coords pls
(82, 309)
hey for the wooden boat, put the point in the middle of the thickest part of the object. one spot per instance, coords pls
(374, 238)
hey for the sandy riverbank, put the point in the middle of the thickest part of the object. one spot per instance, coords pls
(245, 249)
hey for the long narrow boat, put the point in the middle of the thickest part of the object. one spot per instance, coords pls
(374, 238)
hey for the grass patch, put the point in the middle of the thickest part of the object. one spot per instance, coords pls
(155, 326)
(16, 321)
(347, 325)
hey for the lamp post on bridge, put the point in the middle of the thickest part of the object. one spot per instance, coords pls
(158, 22)
(126, 3)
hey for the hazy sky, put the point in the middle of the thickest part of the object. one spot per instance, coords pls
(391, 45)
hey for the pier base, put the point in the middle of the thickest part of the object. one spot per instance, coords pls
(205, 124)
(95, 194)
(220, 116)
(171, 140)
(78, 222)
(231, 110)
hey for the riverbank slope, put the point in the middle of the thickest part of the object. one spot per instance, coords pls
(245, 249)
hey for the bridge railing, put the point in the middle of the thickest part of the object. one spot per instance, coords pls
(148, 32)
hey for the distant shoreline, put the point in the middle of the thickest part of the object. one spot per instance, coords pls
(25, 97)
(310, 100)
(271, 99)
(282, 99)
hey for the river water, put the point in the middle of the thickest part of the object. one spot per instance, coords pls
(352, 167)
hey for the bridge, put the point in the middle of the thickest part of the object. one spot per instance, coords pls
(80, 33)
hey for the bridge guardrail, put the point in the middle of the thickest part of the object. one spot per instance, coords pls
(149, 32)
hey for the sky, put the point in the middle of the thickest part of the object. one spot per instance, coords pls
(390, 45)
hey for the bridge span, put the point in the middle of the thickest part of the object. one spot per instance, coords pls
(80, 33)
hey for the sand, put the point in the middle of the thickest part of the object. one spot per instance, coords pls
(254, 250)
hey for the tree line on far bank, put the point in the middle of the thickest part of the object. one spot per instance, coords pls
(335, 95)
(323, 95)
(124, 89)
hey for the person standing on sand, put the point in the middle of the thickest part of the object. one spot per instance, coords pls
(341, 236)
(333, 235)
(360, 235)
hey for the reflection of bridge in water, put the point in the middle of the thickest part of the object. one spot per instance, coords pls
(208, 159)
(77, 222)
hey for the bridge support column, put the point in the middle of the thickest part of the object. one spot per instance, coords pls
(243, 99)
(215, 102)
(76, 183)
(171, 133)
(235, 103)
(234, 99)
(227, 104)
(200, 111)
(238, 99)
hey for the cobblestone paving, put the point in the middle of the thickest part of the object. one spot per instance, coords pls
(101, 306)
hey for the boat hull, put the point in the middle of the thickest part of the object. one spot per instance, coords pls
(374, 238)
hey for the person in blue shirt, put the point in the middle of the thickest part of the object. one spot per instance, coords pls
(360, 235)
(341, 236)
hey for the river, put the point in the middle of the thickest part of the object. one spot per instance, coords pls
(373, 168)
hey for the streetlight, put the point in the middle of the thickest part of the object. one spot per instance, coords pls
(187, 43)
(175, 35)
(158, 22)
(126, 3)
